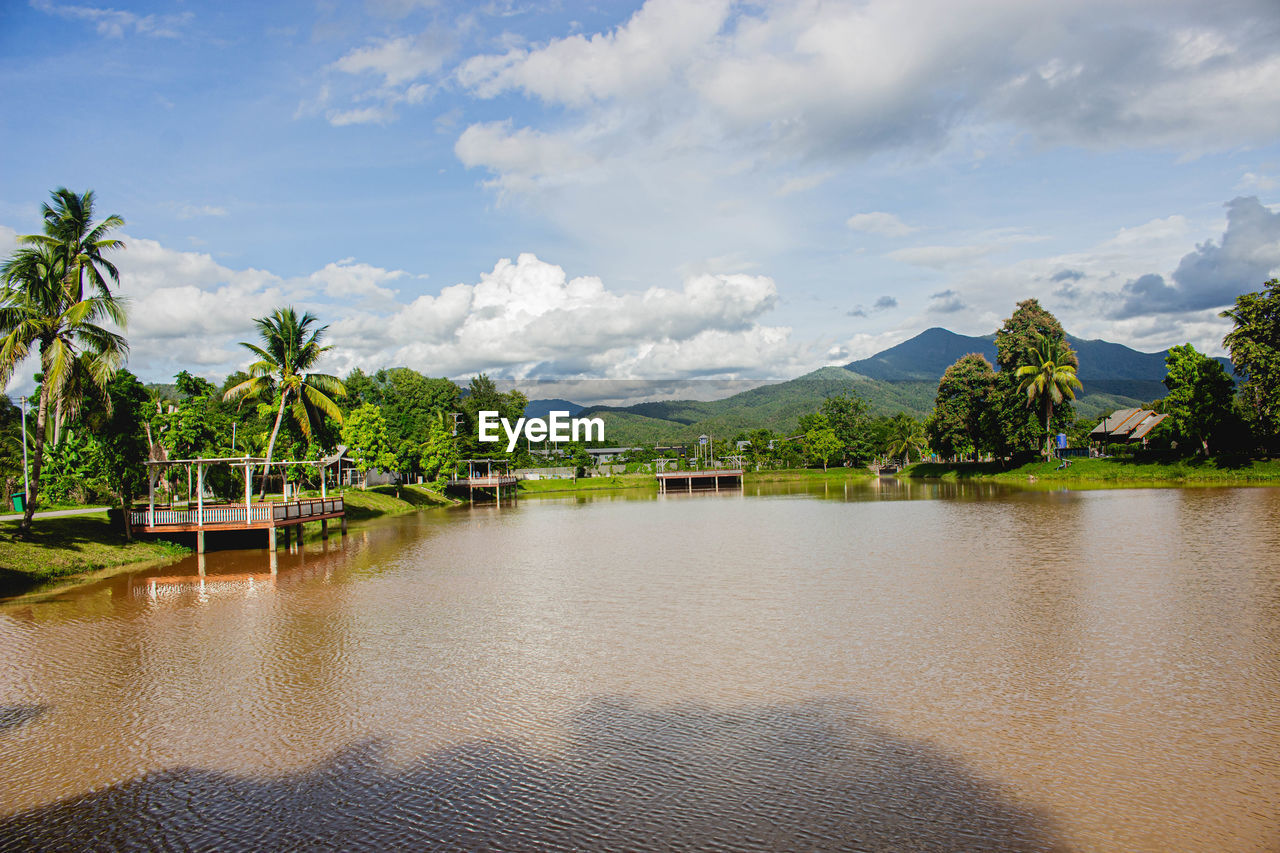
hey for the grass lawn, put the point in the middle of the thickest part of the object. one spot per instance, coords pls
(587, 484)
(60, 547)
(381, 500)
(784, 474)
(1220, 471)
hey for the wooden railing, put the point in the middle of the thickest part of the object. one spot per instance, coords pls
(234, 514)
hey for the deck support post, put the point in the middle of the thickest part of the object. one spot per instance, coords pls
(271, 539)
(288, 538)
(344, 525)
(199, 541)
(324, 528)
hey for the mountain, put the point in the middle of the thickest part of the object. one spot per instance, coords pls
(543, 408)
(903, 378)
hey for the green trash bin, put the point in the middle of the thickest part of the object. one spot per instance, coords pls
(19, 501)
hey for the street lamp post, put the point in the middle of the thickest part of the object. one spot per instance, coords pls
(26, 482)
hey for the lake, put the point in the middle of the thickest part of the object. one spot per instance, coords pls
(863, 666)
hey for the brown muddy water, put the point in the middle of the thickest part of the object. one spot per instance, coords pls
(861, 667)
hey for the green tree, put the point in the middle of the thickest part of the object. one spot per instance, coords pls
(821, 444)
(483, 395)
(905, 434)
(123, 447)
(10, 446)
(1047, 378)
(1021, 427)
(1254, 346)
(44, 309)
(361, 389)
(438, 456)
(962, 421)
(290, 348)
(1200, 395)
(364, 432)
(847, 416)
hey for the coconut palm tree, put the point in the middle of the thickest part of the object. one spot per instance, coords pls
(1048, 376)
(43, 309)
(290, 346)
(904, 435)
(69, 230)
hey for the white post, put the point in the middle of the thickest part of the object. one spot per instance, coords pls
(26, 477)
(248, 492)
(324, 478)
(200, 494)
(151, 496)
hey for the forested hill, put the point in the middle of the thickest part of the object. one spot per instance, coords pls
(930, 353)
(901, 378)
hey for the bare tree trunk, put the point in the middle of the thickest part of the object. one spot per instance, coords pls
(37, 459)
(271, 445)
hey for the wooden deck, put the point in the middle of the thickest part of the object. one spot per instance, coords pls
(704, 480)
(214, 518)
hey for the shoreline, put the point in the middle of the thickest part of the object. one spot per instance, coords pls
(1087, 473)
(17, 585)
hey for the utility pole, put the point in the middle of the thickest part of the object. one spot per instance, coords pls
(26, 480)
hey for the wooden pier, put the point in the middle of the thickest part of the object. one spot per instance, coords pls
(202, 516)
(269, 516)
(703, 480)
(485, 477)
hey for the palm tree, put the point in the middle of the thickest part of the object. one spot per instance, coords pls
(69, 230)
(43, 309)
(1048, 377)
(905, 434)
(289, 347)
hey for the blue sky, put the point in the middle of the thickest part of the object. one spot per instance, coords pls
(652, 190)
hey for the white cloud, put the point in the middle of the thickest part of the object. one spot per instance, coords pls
(398, 60)
(525, 318)
(878, 222)
(114, 23)
(191, 211)
(746, 103)
(369, 82)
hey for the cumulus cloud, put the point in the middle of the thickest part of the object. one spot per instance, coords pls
(1067, 275)
(805, 81)
(525, 318)
(1215, 273)
(877, 222)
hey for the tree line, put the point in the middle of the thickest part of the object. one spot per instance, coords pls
(93, 424)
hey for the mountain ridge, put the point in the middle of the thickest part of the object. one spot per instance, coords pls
(903, 377)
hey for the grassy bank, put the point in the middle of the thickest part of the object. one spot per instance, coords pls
(589, 484)
(1224, 472)
(807, 474)
(382, 501)
(63, 547)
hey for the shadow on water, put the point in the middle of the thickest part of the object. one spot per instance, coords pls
(13, 716)
(813, 775)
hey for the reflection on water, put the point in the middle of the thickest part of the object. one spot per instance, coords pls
(800, 666)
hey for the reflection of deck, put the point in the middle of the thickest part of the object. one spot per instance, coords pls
(707, 480)
(205, 518)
